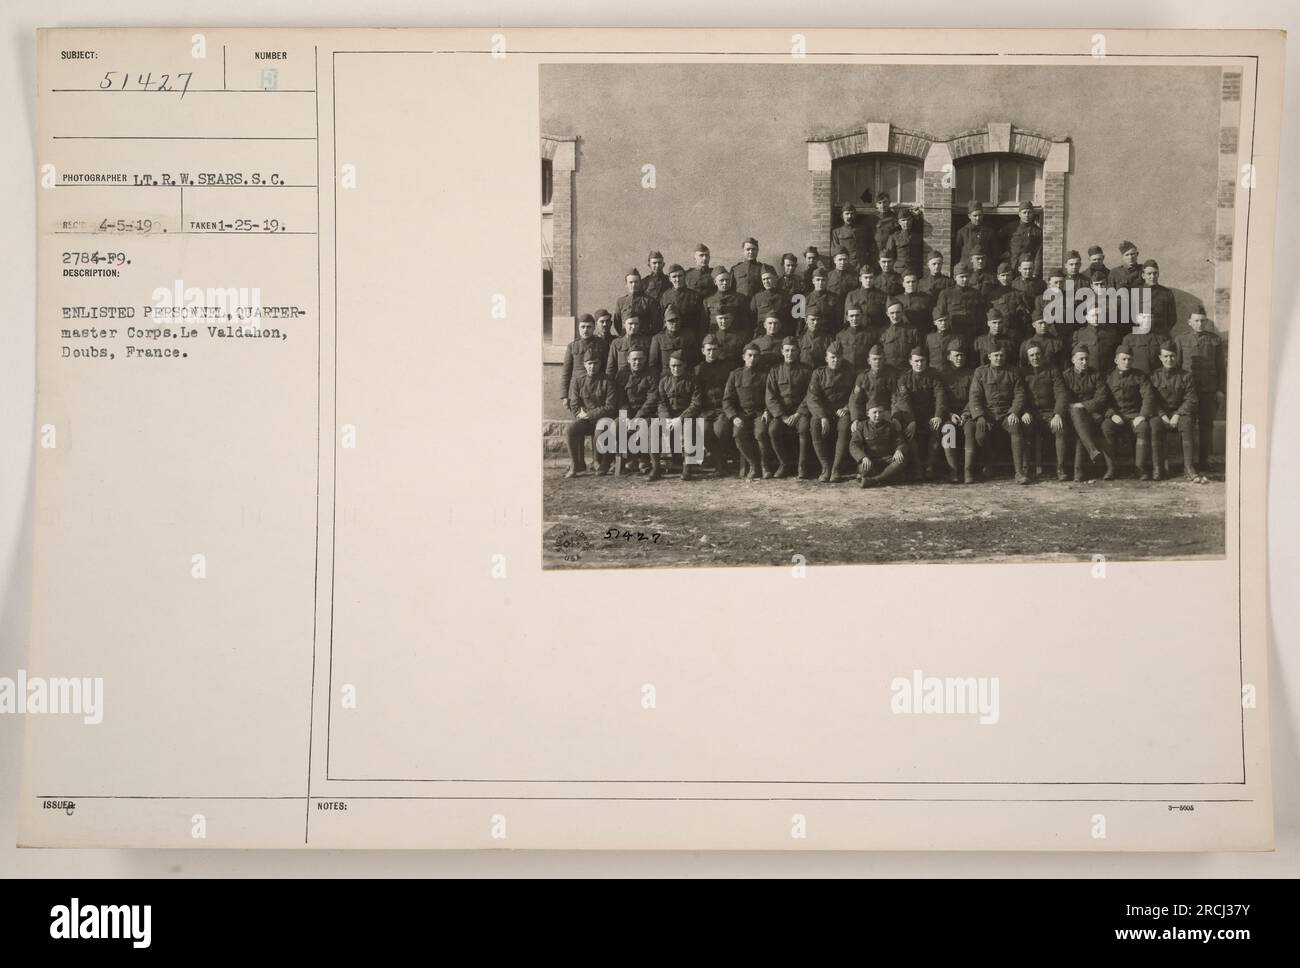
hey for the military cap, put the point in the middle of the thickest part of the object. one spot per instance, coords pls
(592, 355)
(1034, 343)
(811, 250)
(1169, 346)
(603, 314)
(977, 249)
(813, 313)
(819, 271)
(840, 250)
(671, 313)
(1078, 350)
(631, 316)
(875, 350)
(769, 271)
(701, 247)
(634, 271)
(905, 213)
(1073, 254)
(1006, 266)
(1038, 318)
(934, 256)
(773, 316)
(677, 355)
(790, 257)
(975, 207)
(709, 339)
(675, 268)
(865, 269)
(1026, 205)
(994, 313)
(877, 399)
(1059, 271)
(586, 318)
(938, 314)
(961, 269)
(1151, 264)
(724, 311)
(753, 346)
(834, 347)
(751, 241)
(1099, 273)
(790, 341)
(1094, 250)
(850, 207)
(1126, 245)
(655, 254)
(918, 351)
(957, 343)
(635, 351)
(721, 271)
(892, 303)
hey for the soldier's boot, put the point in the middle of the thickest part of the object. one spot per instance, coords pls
(1157, 435)
(602, 466)
(686, 468)
(954, 469)
(572, 471)
(1038, 454)
(749, 465)
(968, 469)
(863, 479)
(1062, 455)
(804, 458)
(1018, 457)
(765, 455)
(1141, 456)
(656, 468)
(1078, 460)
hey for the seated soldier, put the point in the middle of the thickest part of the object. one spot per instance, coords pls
(574, 353)
(592, 398)
(898, 338)
(962, 304)
(1174, 398)
(1125, 396)
(636, 396)
(792, 283)
(887, 280)
(957, 431)
(918, 398)
(711, 384)
(1044, 412)
(997, 394)
(980, 276)
(1081, 382)
(677, 397)
(876, 447)
(787, 386)
(829, 392)
(744, 401)
(673, 338)
(726, 297)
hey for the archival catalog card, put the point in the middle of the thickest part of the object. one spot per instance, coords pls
(768, 439)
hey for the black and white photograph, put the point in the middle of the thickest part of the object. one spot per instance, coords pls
(995, 299)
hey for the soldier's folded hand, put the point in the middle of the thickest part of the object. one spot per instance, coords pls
(1173, 421)
(1010, 421)
(842, 412)
(1057, 423)
(582, 415)
(981, 425)
(1116, 418)
(1139, 421)
(935, 423)
(1026, 418)
(790, 420)
(853, 427)
(898, 456)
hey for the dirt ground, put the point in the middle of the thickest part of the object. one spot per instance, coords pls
(730, 522)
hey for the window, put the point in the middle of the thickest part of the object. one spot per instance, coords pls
(999, 181)
(860, 178)
(547, 183)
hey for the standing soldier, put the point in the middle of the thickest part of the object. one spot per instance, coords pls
(879, 379)
(769, 344)
(767, 301)
(1028, 286)
(980, 277)
(605, 328)
(936, 343)
(592, 398)
(574, 353)
(1098, 341)
(1055, 305)
(962, 304)
(710, 386)
(725, 298)
(744, 401)
(855, 339)
(685, 301)
(918, 398)
(907, 245)
(636, 303)
(887, 280)
(884, 224)
(700, 277)
(975, 234)
(1163, 311)
(1048, 343)
(824, 303)
(993, 289)
(935, 281)
(995, 339)
(876, 447)
(898, 338)
(997, 395)
(1073, 276)
(673, 340)
(812, 261)
(854, 237)
(787, 386)
(813, 343)
(1043, 413)
(1144, 345)
(958, 427)
(1128, 274)
(731, 342)
(843, 278)
(1097, 260)
(1084, 409)
(1173, 393)
(1200, 353)
(655, 283)
(625, 344)
(869, 300)
(917, 305)
(829, 392)
(1125, 395)
(792, 283)
(675, 395)
(1027, 240)
(635, 392)
(748, 272)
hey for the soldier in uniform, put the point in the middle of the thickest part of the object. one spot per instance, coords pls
(980, 277)
(887, 280)
(592, 398)
(936, 343)
(672, 340)
(1099, 342)
(1043, 413)
(744, 401)
(605, 327)
(997, 395)
(1125, 397)
(654, 284)
(700, 277)
(998, 286)
(767, 301)
(1200, 353)
(918, 399)
(635, 394)
(688, 304)
(955, 414)
(829, 392)
(907, 244)
(824, 303)
(876, 448)
(1055, 305)
(1097, 260)
(1073, 276)
(995, 339)
(935, 281)
(878, 379)
(676, 395)
(962, 304)
(815, 339)
(1048, 343)
(975, 234)
(1085, 412)
(843, 278)
(731, 341)
(812, 262)
(898, 338)
(769, 344)
(1028, 286)
(625, 344)
(855, 339)
(1163, 311)
(1143, 345)
(918, 306)
(787, 386)
(748, 272)
(1173, 393)
(726, 298)
(636, 303)
(792, 283)
(574, 353)
(710, 386)
(854, 237)
(884, 224)
(869, 300)
(1128, 274)
(1027, 240)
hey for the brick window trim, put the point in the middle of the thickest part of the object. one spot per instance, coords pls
(562, 153)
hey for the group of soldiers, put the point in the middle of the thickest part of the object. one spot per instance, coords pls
(884, 372)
